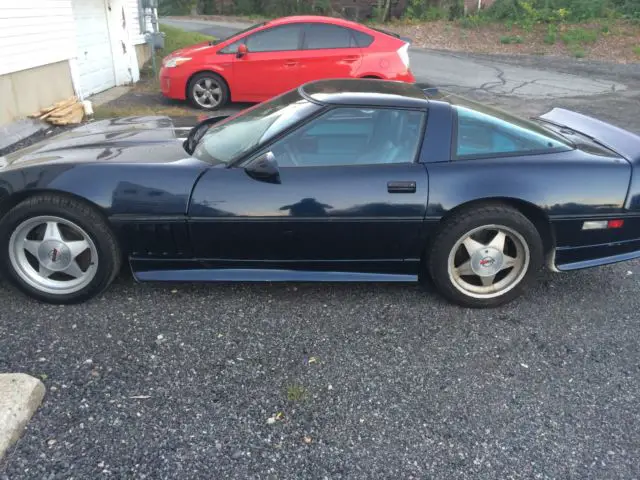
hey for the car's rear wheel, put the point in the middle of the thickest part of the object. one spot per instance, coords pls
(486, 256)
(57, 249)
(208, 91)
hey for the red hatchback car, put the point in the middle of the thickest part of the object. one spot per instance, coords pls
(271, 58)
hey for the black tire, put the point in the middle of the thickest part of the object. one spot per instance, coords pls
(84, 216)
(224, 88)
(456, 228)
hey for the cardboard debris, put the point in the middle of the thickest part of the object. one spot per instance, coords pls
(65, 112)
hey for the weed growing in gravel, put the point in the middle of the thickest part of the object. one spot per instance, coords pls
(509, 39)
(636, 50)
(296, 393)
(578, 52)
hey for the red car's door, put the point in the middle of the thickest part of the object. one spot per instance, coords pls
(270, 66)
(329, 51)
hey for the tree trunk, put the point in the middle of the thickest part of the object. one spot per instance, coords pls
(385, 13)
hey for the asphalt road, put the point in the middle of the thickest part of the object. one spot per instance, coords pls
(373, 381)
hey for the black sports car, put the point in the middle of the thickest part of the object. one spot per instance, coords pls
(339, 180)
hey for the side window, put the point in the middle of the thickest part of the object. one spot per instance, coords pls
(362, 39)
(353, 136)
(479, 134)
(276, 39)
(232, 47)
(323, 35)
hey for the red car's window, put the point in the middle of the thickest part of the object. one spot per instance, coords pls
(362, 39)
(322, 35)
(276, 39)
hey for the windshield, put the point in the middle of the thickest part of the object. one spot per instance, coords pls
(238, 135)
(235, 34)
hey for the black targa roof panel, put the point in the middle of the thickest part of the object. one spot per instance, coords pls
(365, 92)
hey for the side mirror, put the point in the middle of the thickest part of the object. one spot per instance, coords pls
(264, 168)
(242, 50)
(197, 132)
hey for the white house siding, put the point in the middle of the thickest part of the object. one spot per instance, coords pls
(137, 34)
(35, 33)
(51, 49)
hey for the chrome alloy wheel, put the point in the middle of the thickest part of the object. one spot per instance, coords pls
(207, 92)
(53, 255)
(488, 261)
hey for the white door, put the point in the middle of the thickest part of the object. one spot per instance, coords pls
(95, 58)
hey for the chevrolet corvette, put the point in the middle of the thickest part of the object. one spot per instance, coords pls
(337, 180)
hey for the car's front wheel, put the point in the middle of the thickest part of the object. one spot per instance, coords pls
(486, 256)
(208, 91)
(57, 249)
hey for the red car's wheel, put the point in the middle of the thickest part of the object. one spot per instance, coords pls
(208, 91)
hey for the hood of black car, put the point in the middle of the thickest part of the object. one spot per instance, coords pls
(152, 139)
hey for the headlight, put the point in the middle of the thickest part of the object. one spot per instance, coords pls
(175, 61)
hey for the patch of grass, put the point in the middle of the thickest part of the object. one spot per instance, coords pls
(510, 39)
(176, 38)
(104, 111)
(636, 50)
(296, 393)
(579, 36)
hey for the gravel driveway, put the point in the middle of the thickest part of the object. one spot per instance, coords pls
(370, 381)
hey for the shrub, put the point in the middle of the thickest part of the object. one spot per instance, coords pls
(421, 10)
(552, 35)
(472, 21)
(529, 12)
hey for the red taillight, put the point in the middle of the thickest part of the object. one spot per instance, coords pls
(615, 223)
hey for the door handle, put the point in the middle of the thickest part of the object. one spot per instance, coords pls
(350, 59)
(401, 187)
(290, 63)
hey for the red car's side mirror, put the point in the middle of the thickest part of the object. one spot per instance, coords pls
(242, 50)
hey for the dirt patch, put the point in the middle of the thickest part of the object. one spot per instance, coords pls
(614, 42)
(145, 99)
